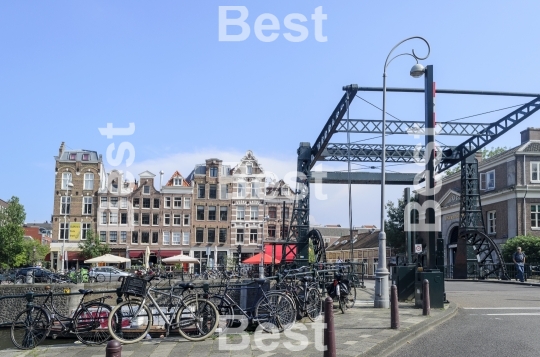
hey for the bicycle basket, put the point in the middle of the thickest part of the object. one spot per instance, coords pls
(134, 286)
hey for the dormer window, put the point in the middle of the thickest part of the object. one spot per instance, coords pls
(177, 181)
(213, 172)
(85, 157)
(249, 169)
(72, 156)
(146, 190)
(284, 191)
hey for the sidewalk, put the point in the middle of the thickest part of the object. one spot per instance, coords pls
(361, 331)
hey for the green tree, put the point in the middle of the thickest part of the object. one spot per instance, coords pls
(486, 154)
(529, 245)
(28, 251)
(394, 226)
(92, 247)
(11, 234)
(311, 254)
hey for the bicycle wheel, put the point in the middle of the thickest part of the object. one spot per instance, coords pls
(30, 328)
(313, 304)
(341, 303)
(90, 323)
(100, 278)
(350, 299)
(130, 321)
(275, 311)
(197, 319)
(226, 314)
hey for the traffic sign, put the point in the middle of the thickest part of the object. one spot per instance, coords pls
(418, 248)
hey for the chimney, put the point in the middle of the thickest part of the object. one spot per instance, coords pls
(530, 134)
(478, 156)
(61, 150)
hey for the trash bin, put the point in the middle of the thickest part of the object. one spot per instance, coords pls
(30, 277)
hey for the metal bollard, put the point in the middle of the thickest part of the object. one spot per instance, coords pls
(425, 300)
(329, 331)
(394, 308)
(114, 349)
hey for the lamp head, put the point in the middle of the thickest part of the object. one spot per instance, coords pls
(417, 70)
(70, 184)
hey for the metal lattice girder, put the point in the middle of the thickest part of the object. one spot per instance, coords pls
(364, 178)
(492, 132)
(332, 123)
(409, 127)
(373, 152)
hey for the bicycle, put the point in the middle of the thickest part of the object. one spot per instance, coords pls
(341, 290)
(273, 309)
(195, 318)
(306, 296)
(89, 322)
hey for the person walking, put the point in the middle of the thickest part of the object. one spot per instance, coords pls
(519, 261)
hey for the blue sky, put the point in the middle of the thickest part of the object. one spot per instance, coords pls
(68, 68)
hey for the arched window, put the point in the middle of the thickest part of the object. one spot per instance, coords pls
(66, 178)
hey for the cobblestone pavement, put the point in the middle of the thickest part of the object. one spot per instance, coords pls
(361, 331)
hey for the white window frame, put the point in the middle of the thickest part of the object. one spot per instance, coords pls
(113, 203)
(123, 202)
(88, 181)
(166, 219)
(186, 220)
(187, 202)
(123, 237)
(113, 218)
(166, 238)
(176, 238)
(491, 222)
(284, 191)
(240, 213)
(249, 169)
(103, 236)
(103, 219)
(146, 190)
(63, 227)
(177, 202)
(185, 238)
(177, 181)
(487, 180)
(175, 218)
(535, 169)
(103, 202)
(240, 236)
(167, 202)
(254, 189)
(65, 205)
(253, 236)
(214, 172)
(113, 240)
(85, 228)
(223, 194)
(254, 213)
(66, 178)
(535, 217)
(241, 190)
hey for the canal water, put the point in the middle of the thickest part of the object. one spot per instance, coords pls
(5, 340)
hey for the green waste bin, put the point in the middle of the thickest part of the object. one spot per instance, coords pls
(404, 279)
(436, 288)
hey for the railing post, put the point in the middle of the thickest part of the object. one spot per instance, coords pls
(114, 349)
(394, 308)
(425, 300)
(30, 299)
(329, 332)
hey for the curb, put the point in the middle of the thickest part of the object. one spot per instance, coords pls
(395, 342)
(508, 282)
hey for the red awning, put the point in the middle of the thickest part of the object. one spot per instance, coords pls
(135, 254)
(168, 253)
(74, 256)
(256, 259)
(47, 257)
(279, 252)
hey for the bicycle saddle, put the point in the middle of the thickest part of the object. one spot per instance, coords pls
(186, 285)
(260, 281)
(84, 292)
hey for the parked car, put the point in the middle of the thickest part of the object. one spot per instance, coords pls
(40, 275)
(106, 273)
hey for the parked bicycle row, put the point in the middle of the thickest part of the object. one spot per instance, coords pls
(147, 309)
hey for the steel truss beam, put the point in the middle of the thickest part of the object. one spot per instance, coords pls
(373, 152)
(492, 132)
(363, 178)
(368, 126)
(332, 124)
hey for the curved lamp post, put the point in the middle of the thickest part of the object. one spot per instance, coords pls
(381, 275)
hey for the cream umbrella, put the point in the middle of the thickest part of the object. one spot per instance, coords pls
(147, 258)
(180, 259)
(107, 258)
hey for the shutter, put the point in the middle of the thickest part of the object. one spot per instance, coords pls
(482, 181)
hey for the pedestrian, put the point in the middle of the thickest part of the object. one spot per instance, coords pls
(519, 261)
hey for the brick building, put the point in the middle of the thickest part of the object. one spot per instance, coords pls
(78, 176)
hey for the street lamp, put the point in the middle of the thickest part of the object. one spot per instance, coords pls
(381, 274)
(261, 264)
(64, 263)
